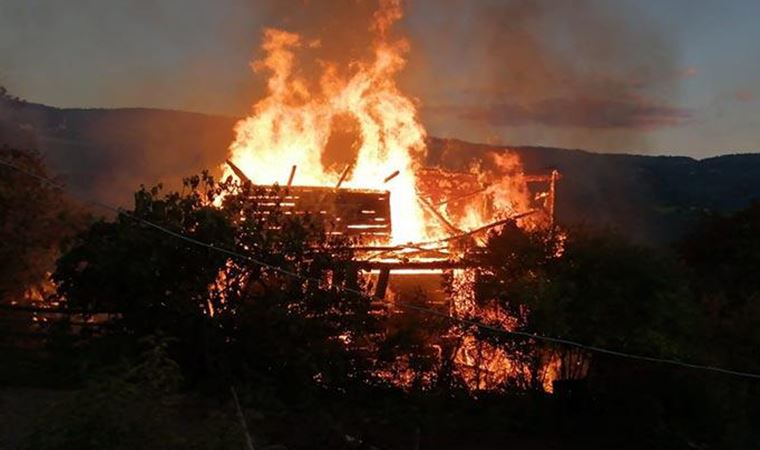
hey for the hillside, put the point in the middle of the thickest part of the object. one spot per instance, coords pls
(651, 198)
(109, 153)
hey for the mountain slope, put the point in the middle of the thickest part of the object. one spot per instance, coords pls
(651, 198)
(109, 153)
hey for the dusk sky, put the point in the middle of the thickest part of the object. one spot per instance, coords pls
(645, 76)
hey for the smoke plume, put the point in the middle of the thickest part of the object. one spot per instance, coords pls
(545, 72)
(582, 73)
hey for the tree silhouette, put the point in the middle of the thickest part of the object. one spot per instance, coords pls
(277, 310)
(36, 219)
(591, 287)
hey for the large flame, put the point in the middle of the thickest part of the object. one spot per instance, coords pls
(295, 124)
(354, 127)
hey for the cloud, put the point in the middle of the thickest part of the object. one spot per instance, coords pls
(744, 96)
(598, 113)
(688, 72)
(561, 66)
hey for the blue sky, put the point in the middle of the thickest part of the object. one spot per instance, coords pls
(646, 76)
(721, 42)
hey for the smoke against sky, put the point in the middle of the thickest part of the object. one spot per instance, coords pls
(621, 75)
(557, 68)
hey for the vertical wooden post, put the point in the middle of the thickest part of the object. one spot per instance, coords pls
(292, 175)
(552, 195)
(382, 283)
(343, 176)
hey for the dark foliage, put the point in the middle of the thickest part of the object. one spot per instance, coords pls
(591, 287)
(604, 291)
(35, 220)
(306, 354)
(232, 316)
(135, 404)
(724, 256)
(14, 132)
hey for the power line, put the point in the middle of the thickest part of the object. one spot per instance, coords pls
(461, 320)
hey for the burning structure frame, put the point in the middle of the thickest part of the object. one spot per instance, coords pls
(364, 215)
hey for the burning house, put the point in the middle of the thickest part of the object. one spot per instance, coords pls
(400, 272)
(349, 147)
(353, 145)
(365, 215)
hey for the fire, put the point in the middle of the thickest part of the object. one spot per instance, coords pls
(352, 127)
(295, 123)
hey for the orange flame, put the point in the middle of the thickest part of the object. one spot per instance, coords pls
(293, 125)
(360, 110)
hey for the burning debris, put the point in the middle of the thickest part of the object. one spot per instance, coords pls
(361, 213)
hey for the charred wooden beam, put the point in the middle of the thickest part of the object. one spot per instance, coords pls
(391, 176)
(408, 252)
(490, 226)
(553, 176)
(343, 176)
(464, 196)
(382, 283)
(452, 238)
(415, 265)
(292, 175)
(432, 209)
(238, 172)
